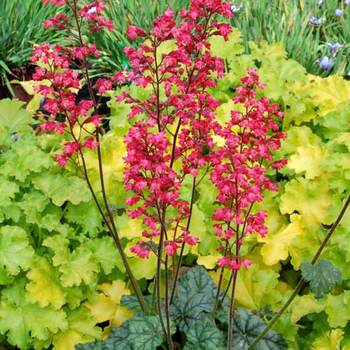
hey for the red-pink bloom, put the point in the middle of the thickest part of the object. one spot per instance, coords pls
(59, 21)
(240, 166)
(55, 2)
(61, 160)
(170, 248)
(95, 119)
(103, 85)
(135, 32)
(141, 250)
(91, 143)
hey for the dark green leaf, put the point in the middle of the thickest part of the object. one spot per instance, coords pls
(131, 302)
(197, 280)
(139, 333)
(195, 294)
(90, 346)
(322, 276)
(204, 335)
(247, 327)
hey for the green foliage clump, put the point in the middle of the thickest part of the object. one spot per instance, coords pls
(54, 253)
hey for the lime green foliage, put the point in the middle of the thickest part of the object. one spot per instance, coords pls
(313, 186)
(54, 253)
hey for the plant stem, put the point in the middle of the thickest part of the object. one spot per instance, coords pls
(221, 278)
(157, 285)
(183, 243)
(231, 311)
(301, 282)
(112, 228)
(170, 343)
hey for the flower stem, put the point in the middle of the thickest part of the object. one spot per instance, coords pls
(183, 243)
(301, 282)
(231, 311)
(112, 228)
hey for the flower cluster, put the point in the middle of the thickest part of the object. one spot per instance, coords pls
(175, 125)
(240, 165)
(60, 81)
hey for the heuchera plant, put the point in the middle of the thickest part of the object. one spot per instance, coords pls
(173, 136)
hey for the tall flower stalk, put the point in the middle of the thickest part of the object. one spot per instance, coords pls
(173, 138)
(63, 68)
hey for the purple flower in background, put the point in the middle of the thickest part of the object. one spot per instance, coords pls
(326, 63)
(317, 21)
(339, 12)
(333, 48)
(346, 2)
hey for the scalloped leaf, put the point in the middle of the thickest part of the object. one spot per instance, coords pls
(15, 252)
(204, 335)
(195, 294)
(247, 327)
(323, 277)
(139, 333)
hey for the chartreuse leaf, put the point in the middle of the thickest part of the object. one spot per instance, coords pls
(307, 159)
(204, 335)
(338, 309)
(15, 251)
(113, 150)
(328, 93)
(323, 277)
(62, 188)
(311, 199)
(106, 306)
(44, 287)
(85, 215)
(195, 294)
(276, 245)
(247, 327)
(24, 158)
(105, 254)
(329, 340)
(257, 287)
(8, 190)
(24, 321)
(305, 304)
(13, 117)
(143, 268)
(81, 329)
(75, 267)
(227, 49)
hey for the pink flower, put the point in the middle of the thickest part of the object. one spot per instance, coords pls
(103, 85)
(135, 32)
(61, 160)
(170, 248)
(191, 240)
(91, 143)
(141, 250)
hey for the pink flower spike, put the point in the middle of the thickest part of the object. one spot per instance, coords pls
(103, 85)
(170, 248)
(141, 250)
(91, 143)
(246, 263)
(135, 32)
(191, 240)
(61, 160)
